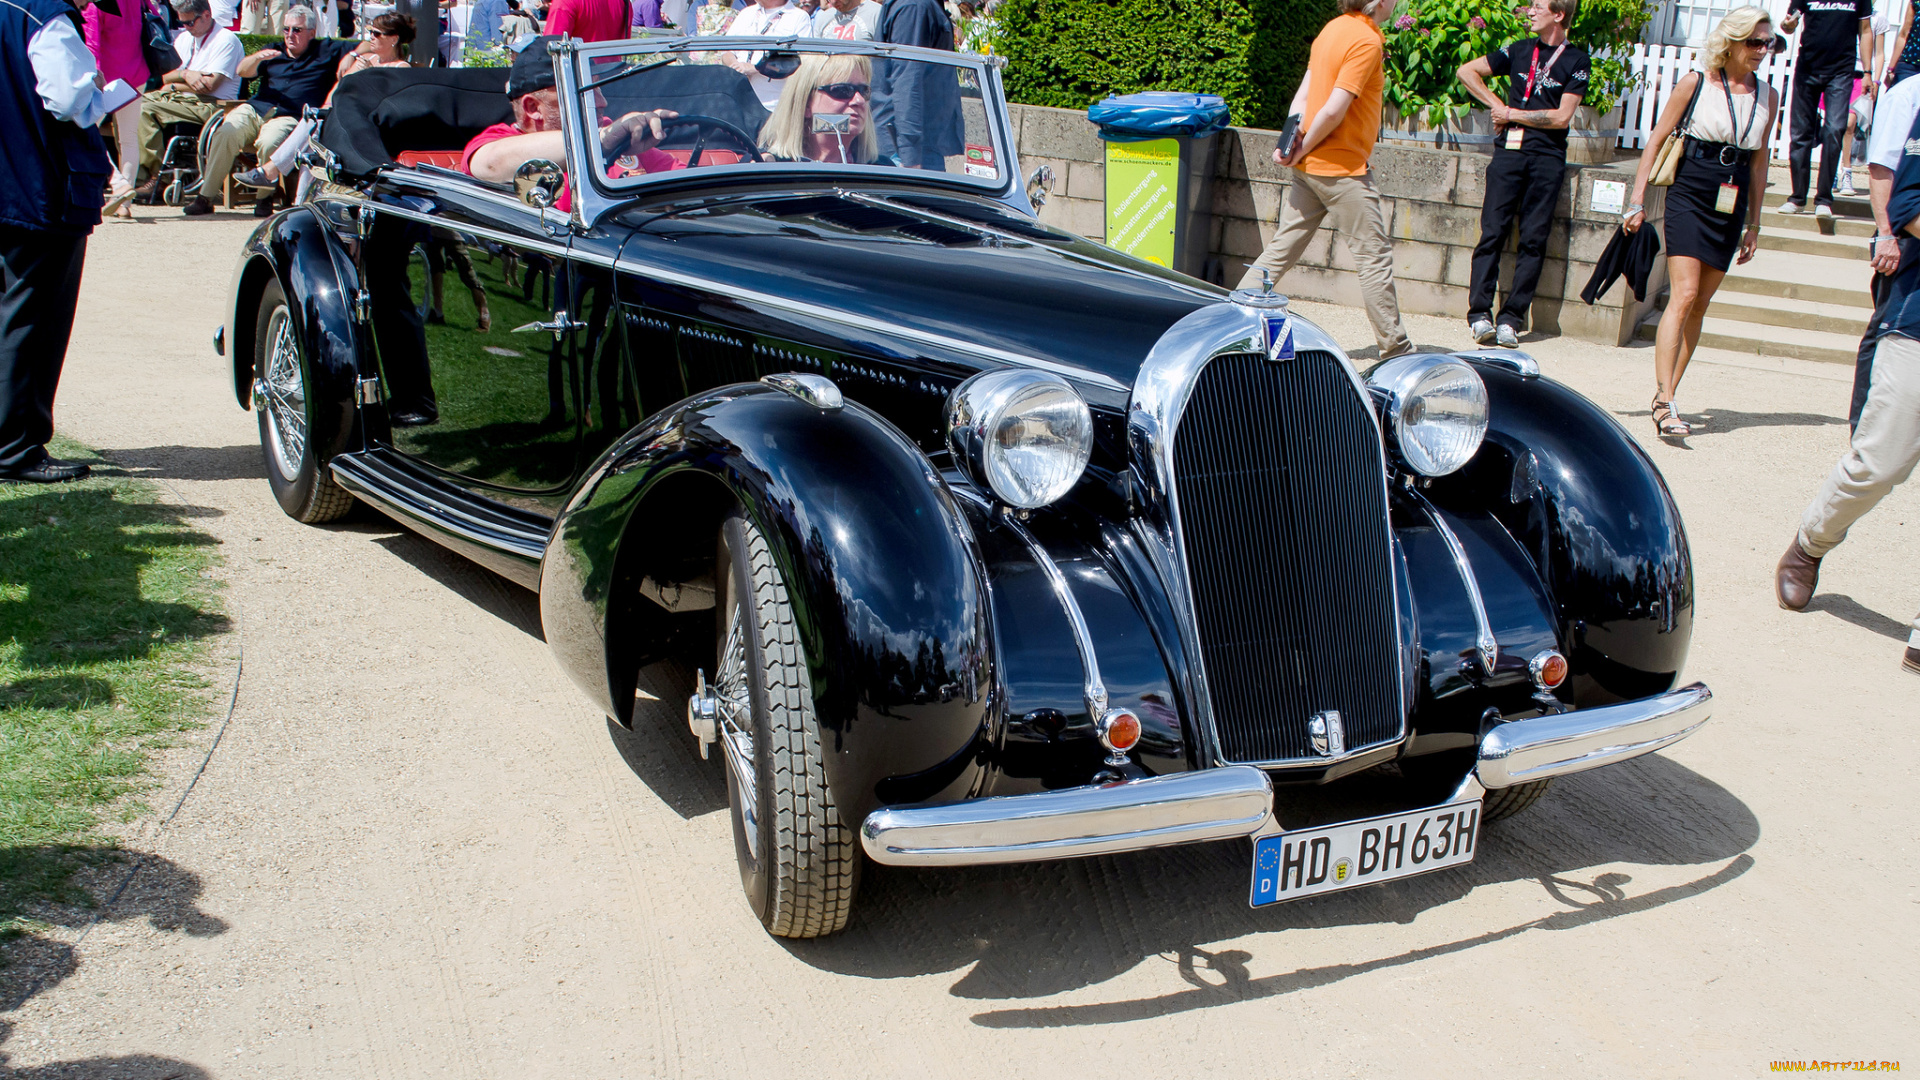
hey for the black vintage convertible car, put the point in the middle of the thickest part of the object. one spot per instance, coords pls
(986, 542)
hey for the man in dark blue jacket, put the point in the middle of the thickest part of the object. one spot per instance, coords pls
(53, 181)
(916, 105)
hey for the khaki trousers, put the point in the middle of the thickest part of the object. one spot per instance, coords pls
(1353, 204)
(168, 106)
(242, 130)
(263, 16)
(1886, 446)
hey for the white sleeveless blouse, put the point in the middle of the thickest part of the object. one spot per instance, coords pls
(1713, 123)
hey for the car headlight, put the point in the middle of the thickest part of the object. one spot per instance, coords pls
(1436, 408)
(1025, 435)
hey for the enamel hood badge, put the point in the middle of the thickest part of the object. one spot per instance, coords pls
(1279, 336)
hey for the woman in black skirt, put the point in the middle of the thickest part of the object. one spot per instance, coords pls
(1713, 207)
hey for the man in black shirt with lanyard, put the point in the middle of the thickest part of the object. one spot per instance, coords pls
(1546, 78)
(1835, 30)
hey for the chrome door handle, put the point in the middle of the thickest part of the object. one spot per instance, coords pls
(561, 325)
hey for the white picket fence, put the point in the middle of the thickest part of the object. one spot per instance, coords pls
(1665, 65)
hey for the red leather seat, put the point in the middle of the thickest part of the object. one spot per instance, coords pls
(446, 159)
(710, 156)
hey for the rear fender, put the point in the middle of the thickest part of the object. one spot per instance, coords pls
(1595, 518)
(881, 567)
(300, 250)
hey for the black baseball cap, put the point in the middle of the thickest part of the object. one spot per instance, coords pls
(532, 69)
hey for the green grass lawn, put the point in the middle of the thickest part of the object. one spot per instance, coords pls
(106, 602)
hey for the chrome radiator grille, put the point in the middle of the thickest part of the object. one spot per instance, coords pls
(1277, 468)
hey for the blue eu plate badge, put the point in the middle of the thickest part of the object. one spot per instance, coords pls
(1279, 336)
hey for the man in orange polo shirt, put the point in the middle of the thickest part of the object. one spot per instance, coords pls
(1339, 100)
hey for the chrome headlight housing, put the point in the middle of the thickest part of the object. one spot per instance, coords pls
(1436, 411)
(1024, 435)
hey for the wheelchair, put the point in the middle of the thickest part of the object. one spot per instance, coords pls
(181, 153)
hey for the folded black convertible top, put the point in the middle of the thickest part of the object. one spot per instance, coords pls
(380, 112)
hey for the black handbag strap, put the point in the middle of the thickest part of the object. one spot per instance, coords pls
(1685, 127)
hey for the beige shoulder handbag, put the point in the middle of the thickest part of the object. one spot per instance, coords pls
(1668, 160)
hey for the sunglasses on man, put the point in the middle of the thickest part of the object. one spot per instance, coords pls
(845, 91)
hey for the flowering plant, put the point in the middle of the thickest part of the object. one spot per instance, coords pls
(1426, 46)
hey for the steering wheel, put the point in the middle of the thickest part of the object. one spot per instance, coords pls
(709, 125)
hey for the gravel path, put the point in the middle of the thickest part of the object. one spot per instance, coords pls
(417, 852)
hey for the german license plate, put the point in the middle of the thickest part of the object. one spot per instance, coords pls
(1308, 862)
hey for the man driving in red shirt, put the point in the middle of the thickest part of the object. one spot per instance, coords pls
(497, 153)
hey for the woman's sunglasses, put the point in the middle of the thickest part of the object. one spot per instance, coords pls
(845, 91)
(1758, 43)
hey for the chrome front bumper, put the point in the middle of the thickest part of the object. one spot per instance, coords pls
(1545, 746)
(1184, 808)
(1219, 804)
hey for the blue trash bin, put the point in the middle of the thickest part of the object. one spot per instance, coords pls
(1160, 160)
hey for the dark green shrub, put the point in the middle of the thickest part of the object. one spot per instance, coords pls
(1072, 53)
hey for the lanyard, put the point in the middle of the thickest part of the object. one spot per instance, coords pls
(1534, 70)
(1751, 113)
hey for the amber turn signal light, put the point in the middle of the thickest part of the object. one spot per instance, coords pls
(1549, 669)
(1119, 730)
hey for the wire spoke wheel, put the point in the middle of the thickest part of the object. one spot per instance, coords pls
(286, 400)
(799, 859)
(736, 725)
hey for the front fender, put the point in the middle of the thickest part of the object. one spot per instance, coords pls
(880, 564)
(1595, 517)
(300, 250)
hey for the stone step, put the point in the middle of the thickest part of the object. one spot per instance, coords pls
(1742, 337)
(1856, 207)
(1848, 321)
(1807, 223)
(1814, 242)
(1788, 275)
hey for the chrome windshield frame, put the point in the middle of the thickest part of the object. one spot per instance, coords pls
(1160, 395)
(593, 199)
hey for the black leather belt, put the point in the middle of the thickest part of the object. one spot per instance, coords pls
(1719, 153)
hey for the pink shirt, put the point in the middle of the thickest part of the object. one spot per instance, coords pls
(590, 20)
(649, 161)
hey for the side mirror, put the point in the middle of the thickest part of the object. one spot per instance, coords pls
(1039, 186)
(538, 183)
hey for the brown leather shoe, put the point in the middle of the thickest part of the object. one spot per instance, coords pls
(1912, 661)
(1795, 578)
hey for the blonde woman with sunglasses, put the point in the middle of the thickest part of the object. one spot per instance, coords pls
(1713, 207)
(825, 114)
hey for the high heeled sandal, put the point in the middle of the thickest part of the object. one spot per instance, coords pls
(1666, 424)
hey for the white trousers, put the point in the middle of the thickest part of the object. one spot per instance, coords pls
(1886, 447)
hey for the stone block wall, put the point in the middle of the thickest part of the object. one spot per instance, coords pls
(1432, 201)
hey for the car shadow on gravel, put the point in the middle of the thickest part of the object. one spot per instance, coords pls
(243, 462)
(127, 886)
(484, 589)
(1029, 931)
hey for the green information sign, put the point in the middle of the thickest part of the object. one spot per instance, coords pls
(1143, 185)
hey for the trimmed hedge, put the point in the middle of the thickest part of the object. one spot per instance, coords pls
(1072, 53)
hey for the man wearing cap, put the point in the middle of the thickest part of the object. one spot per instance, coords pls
(497, 153)
(53, 181)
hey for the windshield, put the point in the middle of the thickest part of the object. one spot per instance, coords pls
(754, 103)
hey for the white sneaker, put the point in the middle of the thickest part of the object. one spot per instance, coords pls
(1505, 337)
(1845, 186)
(1823, 212)
(1791, 207)
(1482, 330)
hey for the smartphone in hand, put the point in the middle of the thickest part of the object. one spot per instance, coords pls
(1289, 136)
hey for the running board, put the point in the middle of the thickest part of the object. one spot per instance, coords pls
(509, 544)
